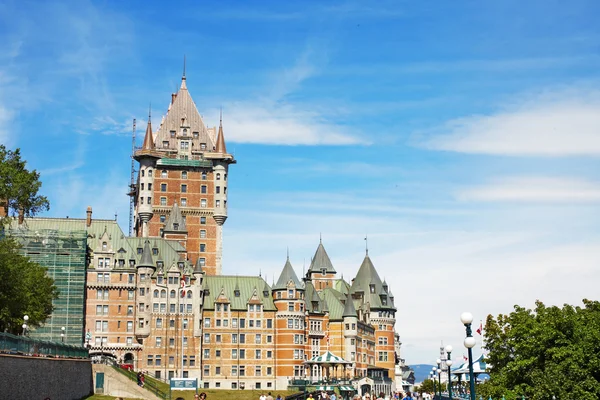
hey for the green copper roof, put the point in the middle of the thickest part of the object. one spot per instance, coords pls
(321, 261)
(247, 287)
(287, 275)
(146, 259)
(184, 163)
(369, 283)
(349, 309)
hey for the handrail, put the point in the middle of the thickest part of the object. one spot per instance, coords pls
(23, 345)
(149, 382)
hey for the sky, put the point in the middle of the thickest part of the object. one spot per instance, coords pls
(462, 138)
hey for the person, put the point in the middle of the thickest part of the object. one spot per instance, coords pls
(408, 396)
(333, 397)
(262, 397)
(196, 396)
(203, 396)
(143, 379)
(279, 397)
(269, 397)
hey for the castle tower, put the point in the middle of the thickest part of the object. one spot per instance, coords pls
(145, 270)
(321, 272)
(350, 322)
(288, 297)
(188, 164)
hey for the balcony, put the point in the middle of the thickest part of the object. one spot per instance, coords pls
(316, 333)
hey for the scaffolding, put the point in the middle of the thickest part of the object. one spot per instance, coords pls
(64, 254)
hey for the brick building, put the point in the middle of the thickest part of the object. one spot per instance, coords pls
(160, 301)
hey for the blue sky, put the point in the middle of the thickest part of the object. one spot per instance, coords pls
(463, 137)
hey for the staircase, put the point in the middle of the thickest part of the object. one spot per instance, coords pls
(121, 383)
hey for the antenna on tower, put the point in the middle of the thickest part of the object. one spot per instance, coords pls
(131, 180)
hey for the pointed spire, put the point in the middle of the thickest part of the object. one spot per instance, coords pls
(287, 274)
(183, 84)
(366, 245)
(321, 260)
(221, 148)
(175, 222)
(148, 139)
(146, 259)
(198, 267)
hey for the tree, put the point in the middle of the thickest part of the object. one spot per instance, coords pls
(25, 289)
(18, 187)
(545, 352)
(426, 386)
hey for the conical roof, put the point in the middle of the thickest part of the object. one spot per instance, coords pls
(198, 267)
(321, 261)
(367, 280)
(148, 139)
(349, 309)
(175, 222)
(287, 275)
(146, 259)
(221, 148)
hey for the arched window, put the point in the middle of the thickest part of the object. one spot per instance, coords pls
(156, 293)
(189, 294)
(218, 176)
(104, 245)
(163, 294)
(172, 294)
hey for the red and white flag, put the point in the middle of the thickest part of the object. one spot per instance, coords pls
(480, 329)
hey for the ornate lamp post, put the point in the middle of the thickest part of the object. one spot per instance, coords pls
(24, 326)
(467, 318)
(439, 373)
(432, 377)
(62, 334)
(449, 364)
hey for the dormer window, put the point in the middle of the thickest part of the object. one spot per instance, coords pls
(323, 271)
(175, 226)
(104, 246)
(140, 250)
(185, 132)
(265, 293)
(172, 134)
(159, 264)
(202, 146)
(180, 265)
(154, 251)
(372, 288)
(195, 134)
(165, 144)
(236, 293)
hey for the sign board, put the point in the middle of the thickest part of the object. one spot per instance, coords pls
(184, 383)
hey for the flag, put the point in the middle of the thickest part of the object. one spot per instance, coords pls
(480, 329)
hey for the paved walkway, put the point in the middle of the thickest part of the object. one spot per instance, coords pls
(118, 385)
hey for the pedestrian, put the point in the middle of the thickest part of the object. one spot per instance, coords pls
(269, 397)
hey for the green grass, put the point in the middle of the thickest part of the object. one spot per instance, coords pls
(218, 394)
(102, 397)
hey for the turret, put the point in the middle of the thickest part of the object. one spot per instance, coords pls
(145, 269)
(147, 157)
(350, 317)
(220, 175)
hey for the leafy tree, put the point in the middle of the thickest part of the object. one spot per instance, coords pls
(426, 386)
(25, 289)
(545, 352)
(18, 187)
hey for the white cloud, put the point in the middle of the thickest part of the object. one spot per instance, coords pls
(563, 122)
(534, 189)
(6, 121)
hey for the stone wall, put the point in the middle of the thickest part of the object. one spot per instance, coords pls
(40, 378)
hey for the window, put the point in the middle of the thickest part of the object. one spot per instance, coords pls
(242, 338)
(202, 247)
(218, 353)
(202, 261)
(234, 322)
(163, 173)
(242, 370)
(203, 220)
(234, 372)
(203, 189)
(257, 354)
(291, 306)
(172, 134)
(129, 326)
(383, 356)
(290, 323)
(218, 176)
(269, 354)
(383, 341)
(257, 372)
(159, 322)
(183, 188)
(171, 323)
(183, 174)
(202, 233)
(207, 322)
(206, 370)
(195, 135)
(204, 175)
(217, 338)
(258, 338)
(163, 218)
(218, 189)
(171, 360)
(218, 203)
(242, 354)
(165, 144)
(130, 308)
(184, 145)
(207, 338)
(203, 203)
(163, 187)
(171, 342)
(154, 307)
(172, 294)
(184, 202)
(206, 353)
(269, 323)
(242, 321)
(234, 338)
(192, 361)
(163, 201)
(269, 339)
(234, 354)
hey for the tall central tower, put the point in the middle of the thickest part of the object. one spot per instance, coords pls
(184, 170)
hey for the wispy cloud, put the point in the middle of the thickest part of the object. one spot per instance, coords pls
(563, 122)
(534, 190)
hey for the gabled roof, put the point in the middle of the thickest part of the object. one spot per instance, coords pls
(287, 275)
(321, 260)
(247, 285)
(366, 277)
(175, 220)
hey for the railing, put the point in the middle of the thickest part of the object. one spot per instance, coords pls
(23, 345)
(150, 383)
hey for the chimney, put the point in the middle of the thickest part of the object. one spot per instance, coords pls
(173, 95)
(88, 219)
(21, 216)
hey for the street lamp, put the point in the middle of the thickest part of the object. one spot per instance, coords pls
(467, 318)
(432, 377)
(62, 334)
(24, 326)
(449, 364)
(439, 372)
